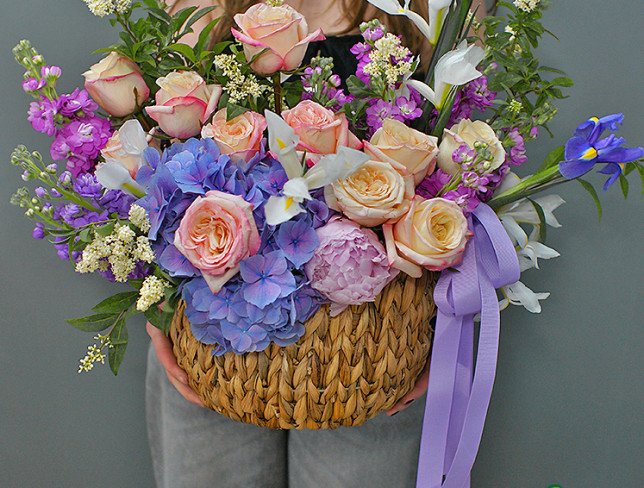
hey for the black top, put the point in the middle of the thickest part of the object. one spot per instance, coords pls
(338, 48)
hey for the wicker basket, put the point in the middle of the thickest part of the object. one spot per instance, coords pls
(342, 372)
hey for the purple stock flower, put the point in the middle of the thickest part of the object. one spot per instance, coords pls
(266, 278)
(298, 241)
(40, 191)
(408, 108)
(433, 184)
(42, 116)
(38, 232)
(32, 84)
(380, 111)
(517, 155)
(51, 72)
(86, 185)
(477, 94)
(79, 100)
(465, 197)
(116, 201)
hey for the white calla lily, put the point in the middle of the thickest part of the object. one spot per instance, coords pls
(327, 170)
(437, 10)
(114, 176)
(393, 7)
(282, 142)
(455, 68)
(520, 294)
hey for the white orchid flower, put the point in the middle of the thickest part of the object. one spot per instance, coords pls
(437, 12)
(454, 68)
(519, 294)
(327, 170)
(393, 7)
(524, 212)
(123, 157)
(282, 142)
(529, 255)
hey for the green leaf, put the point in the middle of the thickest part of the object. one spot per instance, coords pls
(623, 183)
(93, 323)
(195, 18)
(119, 338)
(179, 18)
(185, 50)
(562, 81)
(554, 157)
(542, 220)
(204, 36)
(358, 88)
(591, 190)
(117, 303)
(84, 235)
(105, 230)
(233, 110)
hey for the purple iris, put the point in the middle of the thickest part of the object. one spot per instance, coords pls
(298, 241)
(585, 149)
(266, 278)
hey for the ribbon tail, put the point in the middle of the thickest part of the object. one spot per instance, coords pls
(462, 389)
(482, 385)
(443, 366)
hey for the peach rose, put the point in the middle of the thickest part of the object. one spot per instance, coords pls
(376, 193)
(468, 132)
(279, 33)
(216, 232)
(117, 85)
(320, 130)
(432, 235)
(184, 103)
(240, 137)
(406, 149)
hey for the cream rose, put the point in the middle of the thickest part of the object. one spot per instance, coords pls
(216, 232)
(320, 130)
(432, 235)
(376, 193)
(407, 150)
(184, 103)
(117, 85)
(279, 35)
(240, 137)
(468, 132)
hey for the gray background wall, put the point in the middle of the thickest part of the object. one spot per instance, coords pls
(567, 407)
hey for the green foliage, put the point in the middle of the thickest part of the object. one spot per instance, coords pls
(514, 70)
(593, 193)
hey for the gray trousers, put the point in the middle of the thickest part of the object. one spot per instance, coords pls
(193, 447)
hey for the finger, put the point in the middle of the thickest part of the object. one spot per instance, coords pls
(186, 392)
(163, 349)
(416, 392)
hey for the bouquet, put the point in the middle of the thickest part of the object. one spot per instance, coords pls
(248, 193)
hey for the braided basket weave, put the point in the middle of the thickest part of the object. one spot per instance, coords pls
(342, 372)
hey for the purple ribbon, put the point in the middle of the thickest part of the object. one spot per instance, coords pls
(458, 397)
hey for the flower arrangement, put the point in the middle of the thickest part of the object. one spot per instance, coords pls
(257, 189)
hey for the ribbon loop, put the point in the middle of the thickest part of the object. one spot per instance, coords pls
(457, 401)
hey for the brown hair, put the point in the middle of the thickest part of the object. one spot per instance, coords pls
(357, 11)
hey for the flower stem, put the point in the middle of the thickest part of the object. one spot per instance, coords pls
(528, 186)
(277, 89)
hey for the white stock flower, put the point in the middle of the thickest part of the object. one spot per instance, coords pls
(101, 8)
(151, 292)
(454, 68)
(526, 5)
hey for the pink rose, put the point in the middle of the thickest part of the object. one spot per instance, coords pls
(373, 195)
(280, 32)
(216, 232)
(320, 130)
(349, 266)
(184, 103)
(406, 149)
(240, 137)
(117, 85)
(432, 235)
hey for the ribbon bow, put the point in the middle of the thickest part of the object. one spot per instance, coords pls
(457, 402)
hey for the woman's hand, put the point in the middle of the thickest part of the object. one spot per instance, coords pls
(177, 376)
(417, 391)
